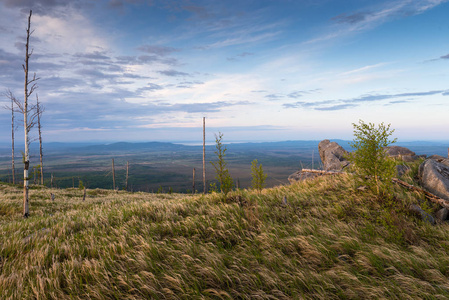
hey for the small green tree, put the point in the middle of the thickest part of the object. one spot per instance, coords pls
(222, 172)
(80, 185)
(258, 182)
(369, 159)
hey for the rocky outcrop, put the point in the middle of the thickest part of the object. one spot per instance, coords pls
(426, 217)
(434, 176)
(442, 214)
(440, 159)
(301, 176)
(332, 155)
(401, 153)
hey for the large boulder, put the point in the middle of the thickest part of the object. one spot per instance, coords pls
(332, 155)
(440, 159)
(402, 153)
(434, 176)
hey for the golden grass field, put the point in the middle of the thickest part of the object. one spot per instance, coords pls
(332, 241)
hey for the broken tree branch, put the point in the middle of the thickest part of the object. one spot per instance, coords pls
(428, 195)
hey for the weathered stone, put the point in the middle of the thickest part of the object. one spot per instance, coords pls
(401, 170)
(437, 157)
(301, 176)
(401, 153)
(445, 162)
(434, 176)
(442, 214)
(332, 155)
(424, 215)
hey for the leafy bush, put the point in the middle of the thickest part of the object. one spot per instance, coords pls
(222, 172)
(369, 159)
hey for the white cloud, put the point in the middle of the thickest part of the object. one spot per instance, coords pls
(68, 33)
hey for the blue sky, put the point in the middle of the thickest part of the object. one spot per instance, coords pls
(258, 70)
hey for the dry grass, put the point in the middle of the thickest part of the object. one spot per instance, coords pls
(331, 241)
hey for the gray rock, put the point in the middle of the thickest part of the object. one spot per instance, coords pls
(424, 215)
(301, 176)
(401, 170)
(434, 177)
(332, 155)
(442, 214)
(445, 162)
(402, 153)
(437, 157)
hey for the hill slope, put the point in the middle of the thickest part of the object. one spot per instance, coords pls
(331, 241)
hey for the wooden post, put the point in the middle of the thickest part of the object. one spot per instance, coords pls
(204, 155)
(84, 194)
(12, 138)
(127, 174)
(113, 175)
(193, 182)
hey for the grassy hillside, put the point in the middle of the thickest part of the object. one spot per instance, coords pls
(332, 241)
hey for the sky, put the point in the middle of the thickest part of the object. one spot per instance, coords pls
(258, 70)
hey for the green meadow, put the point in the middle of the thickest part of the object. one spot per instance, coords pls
(331, 240)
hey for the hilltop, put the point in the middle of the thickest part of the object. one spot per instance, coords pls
(330, 240)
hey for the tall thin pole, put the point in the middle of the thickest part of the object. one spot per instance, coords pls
(113, 175)
(193, 182)
(127, 174)
(12, 138)
(204, 155)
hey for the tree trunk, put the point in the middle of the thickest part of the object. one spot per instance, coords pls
(204, 155)
(26, 211)
(39, 113)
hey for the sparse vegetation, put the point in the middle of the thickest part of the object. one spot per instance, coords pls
(330, 242)
(258, 176)
(370, 162)
(222, 173)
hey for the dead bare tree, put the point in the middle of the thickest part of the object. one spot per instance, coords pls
(29, 115)
(8, 94)
(39, 110)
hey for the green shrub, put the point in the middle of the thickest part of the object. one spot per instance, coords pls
(258, 182)
(81, 185)
(369, 159)
(222, 172)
